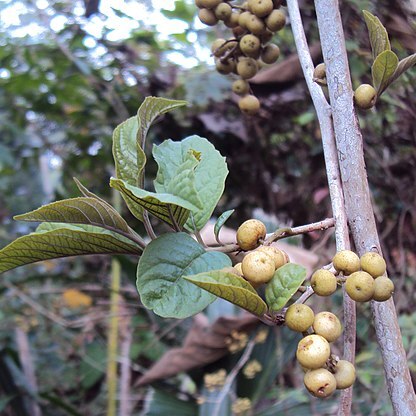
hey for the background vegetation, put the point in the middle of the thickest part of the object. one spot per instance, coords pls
(68, 76)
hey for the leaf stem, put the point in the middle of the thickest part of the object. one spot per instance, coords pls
(148, 226)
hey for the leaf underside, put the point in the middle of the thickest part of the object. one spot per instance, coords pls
(379, 38)
(383, 69)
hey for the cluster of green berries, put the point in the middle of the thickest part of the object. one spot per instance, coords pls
(258, 266)
(253, 23)
(365, 278)
(324, 373)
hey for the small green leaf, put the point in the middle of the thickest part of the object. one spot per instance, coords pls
(167, 207)
(149, 111)
(402, 67)
(161, 270)
(284, 284)
(231, 287)
(210, 173)
(129, 159)
(222, 219)
(83, 210)
(51, 241)
(85, 192)
(379, 38)
(383, 68)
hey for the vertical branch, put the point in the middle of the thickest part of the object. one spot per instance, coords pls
(324, 114)
(357, 198)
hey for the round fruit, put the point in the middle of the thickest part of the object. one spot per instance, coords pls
(219, 47)
(270, 53)
(247, 68)
(313, 351)
(346, 261)
(373, 263)
(320, 383)
(240, 87)
(260, 8)
(320, 71)
(365, 96)
(238, 268)
(258, 267)
(232, 21)
(327, 325)
(209, 4)
(323, 282)
(243, 18)
(383, 289)
(249, 105)
(250, 45)
(275, 21)
(250, 233)
(266, 36)
(360, 286)
(255, 25)
(299, 317)
(344, 374)
(279, 257)
(223, 11)
(225, 67)
(207, 17)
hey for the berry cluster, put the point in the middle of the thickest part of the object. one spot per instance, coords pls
(258, 266)
(253, 23)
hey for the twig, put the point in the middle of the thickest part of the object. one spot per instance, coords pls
(302, 229)
(357, 198)
(324, 114)
(233, 374)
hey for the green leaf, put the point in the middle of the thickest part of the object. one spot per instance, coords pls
(210, 173)
(87, 193)
(284, 284)
(83, 210)
(129, 158)
(51, 241)
(161, 402)
(379, 38)
(383, 68)
(160, 275)
(231, 287)
(221, 221)
(402, 67)
(167, 207)
(149, 111)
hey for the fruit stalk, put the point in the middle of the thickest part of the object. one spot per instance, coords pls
(324, 114)
(357, 198)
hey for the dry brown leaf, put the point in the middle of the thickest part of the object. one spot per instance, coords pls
(203, 345)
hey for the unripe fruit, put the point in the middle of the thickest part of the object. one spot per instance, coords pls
(266, 36)
(320, 383)
(365, 96)
(260, 8)
(247, 68)
(276, 20)
(238, 268)
(270, 53)
(207, 17)
(240, 87)
(320, 71)
(250, 233)
(360, 286)
(323, 282)
(346, 261)
(313, 351)
(344, 374)
(225, 67)
(255, 25)
(250, 45)
(219, 47)
(279, 257)
(232, 21)
(208, 4)
(223, 11)
(258, 267)
(299, 317)
(327, 325)
(249, 105)
(243, 18)
(373, 263)
(383, 289)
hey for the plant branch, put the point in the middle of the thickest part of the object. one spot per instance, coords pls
(324, 114)
(357, 198)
